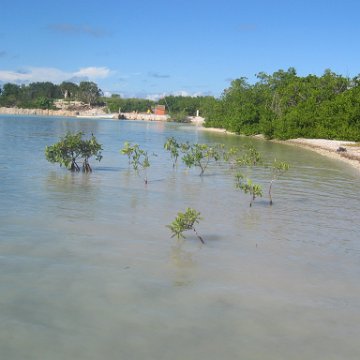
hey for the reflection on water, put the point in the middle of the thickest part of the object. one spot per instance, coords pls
(88, 269)
(183, 262)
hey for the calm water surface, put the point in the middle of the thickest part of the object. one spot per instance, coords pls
(88, 270)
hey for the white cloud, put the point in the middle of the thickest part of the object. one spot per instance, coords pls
(12, 76)
(34, 74)
(93, 72)
(156, 97)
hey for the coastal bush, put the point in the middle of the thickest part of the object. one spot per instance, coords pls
(284, 105)
(179, 117)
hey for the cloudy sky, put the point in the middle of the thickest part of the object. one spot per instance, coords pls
(193, 47)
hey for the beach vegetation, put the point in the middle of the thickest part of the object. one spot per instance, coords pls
(44, 103)
(179, 117)
(284, 105)
(69, 90)
(89, 92)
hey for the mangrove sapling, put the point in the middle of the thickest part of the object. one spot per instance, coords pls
(128, 150)
(72, 148)
(90, 148)
(200, 155)
(185, 221)
(248, 187)
(174, 147)
(139, 158)
(231, 154)
(251, 157)
(278, 168)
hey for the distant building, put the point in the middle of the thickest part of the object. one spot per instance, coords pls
(160, 110)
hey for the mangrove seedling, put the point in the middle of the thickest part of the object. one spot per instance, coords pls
(251, 157)
(200, 155)
(278, 168)
(248, 187)
(127, 150)
(139, 158)
(71, 149)
(231, 155)
(185, 221)
(174, 147)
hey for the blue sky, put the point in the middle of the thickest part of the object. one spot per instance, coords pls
(192, 47)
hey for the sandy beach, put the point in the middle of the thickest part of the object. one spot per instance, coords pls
(325, 147)
(330, 148)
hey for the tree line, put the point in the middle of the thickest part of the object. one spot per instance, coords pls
(178, 107)
(284, 105)
(43, 94)
(281, 105)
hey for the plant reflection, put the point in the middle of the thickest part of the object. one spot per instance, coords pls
(183, 262)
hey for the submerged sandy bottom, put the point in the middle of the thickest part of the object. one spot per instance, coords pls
(88, 270)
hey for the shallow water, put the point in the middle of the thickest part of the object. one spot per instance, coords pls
(88, 269)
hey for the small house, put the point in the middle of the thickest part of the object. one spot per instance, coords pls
(160, 110)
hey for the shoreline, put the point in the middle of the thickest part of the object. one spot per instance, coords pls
(329, 148)
(93, 113)
(321, 146)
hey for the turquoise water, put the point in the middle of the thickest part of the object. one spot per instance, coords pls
(88, 269)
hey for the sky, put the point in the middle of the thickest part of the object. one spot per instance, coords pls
(148, 49)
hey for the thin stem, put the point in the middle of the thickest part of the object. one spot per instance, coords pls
(200, 238)
(271, 182)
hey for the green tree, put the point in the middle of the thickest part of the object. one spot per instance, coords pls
(69, 90)
(10, 95)
(89, 92)
(44, 103)
(284, 105)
